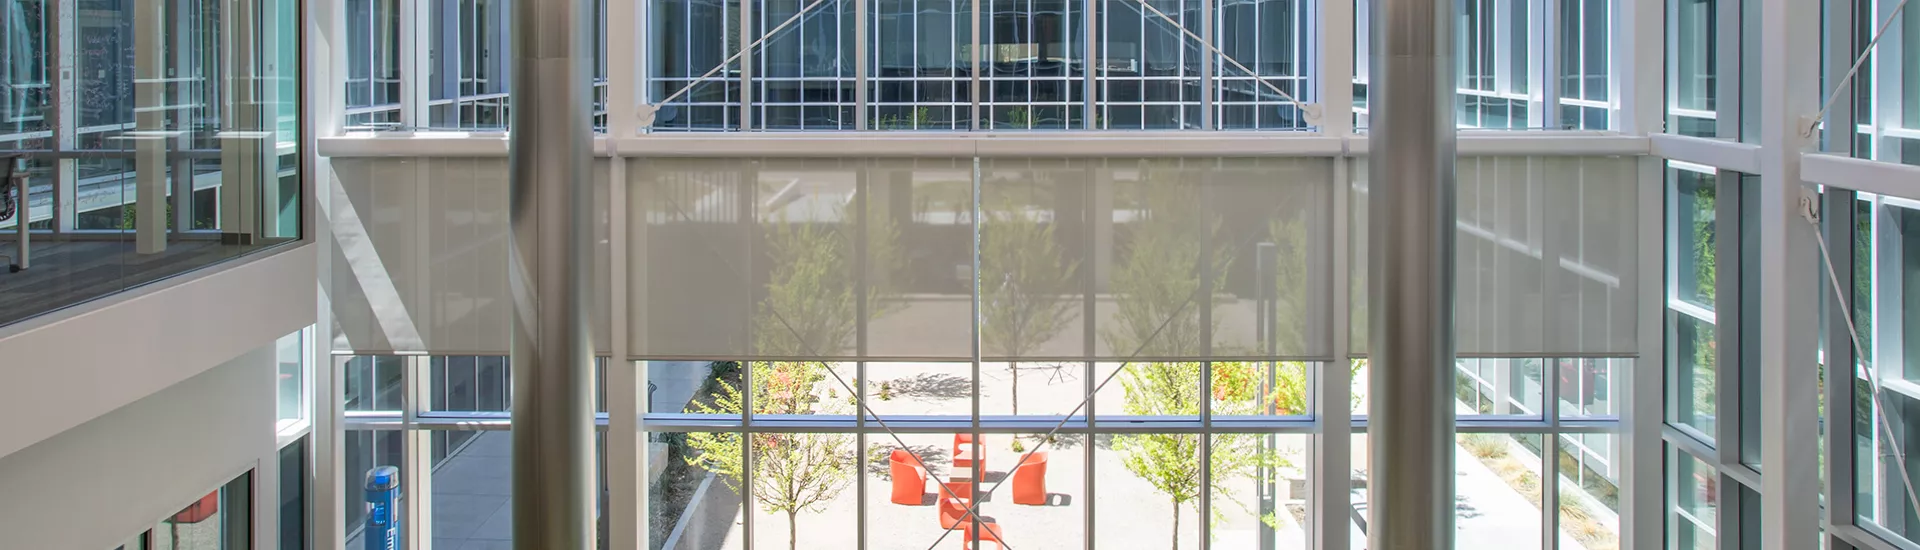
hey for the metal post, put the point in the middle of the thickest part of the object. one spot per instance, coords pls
(550, 258)
(1411, 255)
(150, 158)
(13, 171)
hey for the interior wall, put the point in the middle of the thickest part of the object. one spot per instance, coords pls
(94, 486)
(75, 365)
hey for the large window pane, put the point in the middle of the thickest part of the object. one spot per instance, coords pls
(293, 496)
(1497, 491)
(689, 40)
(695, 387)
(373, 63)
(907, 390)
(467, 80)
(1260, 491)
(1033, 70)
(1585, 39)
(1589, 490)
(920, 51)
(364, 451)
(471, 383)
(1150, 69)
(1590, 387)
(1693, 503)
(1694, 243)
(803, 76)
(1493, 64)
(1270, 38)
(691, 505)
(803, 495)
(473, 493)
(1693, 66)
(25, 72)
(1500, 387)
(1695, 394)
(290, 355)
(221, 520)
(1157, 476)
(373, 383)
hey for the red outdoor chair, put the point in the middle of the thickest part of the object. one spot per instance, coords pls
(952, 511)
(991, 531)
(958, 489)
(909, 479)
(1030, 480)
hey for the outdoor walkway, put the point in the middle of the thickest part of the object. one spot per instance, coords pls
(472, 497)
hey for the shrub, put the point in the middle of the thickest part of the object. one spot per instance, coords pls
(1484, 445)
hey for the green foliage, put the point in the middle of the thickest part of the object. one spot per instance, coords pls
(130, 215)
(1484, 446)
(810, 309)
(811, 300)
(792, 472)
(1290, 288)
(1029, 299)
(1158, 282)
(1172, 462)
(1019, 118)
(921, 117)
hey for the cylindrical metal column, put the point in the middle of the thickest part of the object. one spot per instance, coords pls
(1410, 279)
(549, 263)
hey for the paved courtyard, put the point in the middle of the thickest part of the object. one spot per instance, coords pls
(472, 496)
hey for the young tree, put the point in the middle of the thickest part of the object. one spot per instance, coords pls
(1159, 282)
(812, 298)
(810, 309)
(792, 473)
(1026, 294)
(1172, 462)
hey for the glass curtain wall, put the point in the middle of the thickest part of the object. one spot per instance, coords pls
(454, 446)
(1883, 271)
(1712, 380)
(1521, 64)
(158, 137)
(1153, 343)
(1000, 65)
(1106, 406)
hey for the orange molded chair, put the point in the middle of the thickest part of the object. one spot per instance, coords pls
(990, 532)
(958, 489)
(962, 441)
(909, 479)
(952, 512)
(1030, 480)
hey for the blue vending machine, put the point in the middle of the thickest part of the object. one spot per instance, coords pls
(383, 527)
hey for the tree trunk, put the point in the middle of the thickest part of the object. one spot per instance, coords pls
(793, 530)
(1176, 525)
(1015, 369)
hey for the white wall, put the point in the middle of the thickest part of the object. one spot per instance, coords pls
(94, 486)
(74, 365)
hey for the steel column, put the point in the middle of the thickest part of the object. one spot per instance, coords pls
(1410, 256)
(549, 274)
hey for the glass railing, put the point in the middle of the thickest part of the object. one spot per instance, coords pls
(168, 147)
(100, 222)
